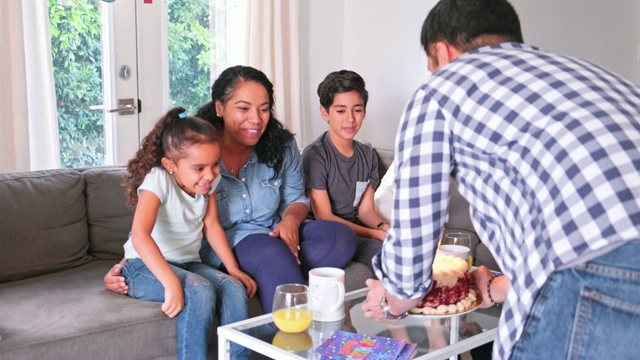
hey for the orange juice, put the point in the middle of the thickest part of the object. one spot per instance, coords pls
(470, 261)
(292, 320)
(293, 342)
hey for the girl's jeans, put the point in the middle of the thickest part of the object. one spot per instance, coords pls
(590, 311)
(205, 289)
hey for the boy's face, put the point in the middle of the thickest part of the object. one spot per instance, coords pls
(345, 115)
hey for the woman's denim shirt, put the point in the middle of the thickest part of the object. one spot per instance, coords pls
(254, 202)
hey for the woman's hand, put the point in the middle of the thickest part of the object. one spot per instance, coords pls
(246, 280)
(289, 232)
(114, 281)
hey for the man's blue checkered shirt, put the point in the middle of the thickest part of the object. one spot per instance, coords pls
(546, 150)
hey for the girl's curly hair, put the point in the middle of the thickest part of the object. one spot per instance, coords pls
(171, 135)
(274, 141)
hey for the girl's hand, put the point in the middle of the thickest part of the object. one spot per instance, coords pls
(288, 232)
(173, 300)
(114, 281)
(246, 280)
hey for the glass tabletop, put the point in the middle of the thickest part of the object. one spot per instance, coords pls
(436, 338)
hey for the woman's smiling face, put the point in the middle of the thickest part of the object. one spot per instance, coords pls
(246, 113)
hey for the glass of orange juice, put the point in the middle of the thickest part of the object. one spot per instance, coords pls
(291, 308)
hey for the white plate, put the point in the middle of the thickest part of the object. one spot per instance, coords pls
(440, 316)
(473, 307)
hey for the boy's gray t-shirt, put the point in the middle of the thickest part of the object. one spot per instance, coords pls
(344, 178)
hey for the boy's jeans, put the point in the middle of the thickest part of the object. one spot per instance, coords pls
(590, 311)
(205, 289)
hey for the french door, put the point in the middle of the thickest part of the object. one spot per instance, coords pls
(154, 54)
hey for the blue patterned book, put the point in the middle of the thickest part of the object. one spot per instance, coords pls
(345, 345)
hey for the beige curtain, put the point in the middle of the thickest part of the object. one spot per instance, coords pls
(273, 46)
(29, 136)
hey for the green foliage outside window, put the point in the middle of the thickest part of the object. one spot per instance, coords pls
(189, 54)
(76, 48)
(77, 66)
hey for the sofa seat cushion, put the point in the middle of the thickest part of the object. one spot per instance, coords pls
(43, 227)
(108, 214)
(70, 315)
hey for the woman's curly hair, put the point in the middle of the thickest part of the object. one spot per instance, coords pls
(171, 135)
(274, 141)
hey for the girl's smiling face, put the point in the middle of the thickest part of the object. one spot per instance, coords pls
(345, 116)
(196, 171)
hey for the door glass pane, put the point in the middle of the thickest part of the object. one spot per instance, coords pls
(197, 50)
(77, 67)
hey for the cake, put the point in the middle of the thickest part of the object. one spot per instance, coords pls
(450, 292)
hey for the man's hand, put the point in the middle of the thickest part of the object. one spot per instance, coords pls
(114, 281)
(371, 306)
(499, 287)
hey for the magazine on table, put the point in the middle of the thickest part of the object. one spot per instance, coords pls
(345, 345)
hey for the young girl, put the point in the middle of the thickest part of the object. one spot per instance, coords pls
(171, 181)
(341, 173)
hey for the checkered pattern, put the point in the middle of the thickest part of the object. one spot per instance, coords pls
(546, 150)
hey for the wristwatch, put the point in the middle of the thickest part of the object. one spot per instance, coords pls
(385, 310)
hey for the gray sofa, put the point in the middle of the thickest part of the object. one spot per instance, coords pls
(60, 232)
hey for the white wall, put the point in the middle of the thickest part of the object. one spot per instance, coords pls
(380, 39)
(604, 32)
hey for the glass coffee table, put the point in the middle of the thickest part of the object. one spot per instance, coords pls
(437, 337)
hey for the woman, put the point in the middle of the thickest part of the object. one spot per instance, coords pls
(261, 200)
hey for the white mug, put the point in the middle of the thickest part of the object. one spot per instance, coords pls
(326, 286)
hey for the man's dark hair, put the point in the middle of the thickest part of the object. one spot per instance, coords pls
(339, 82)
(465, 24)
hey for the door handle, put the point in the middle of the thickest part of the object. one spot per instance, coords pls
(125, 107)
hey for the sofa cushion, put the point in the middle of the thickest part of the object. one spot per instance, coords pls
(70, 315)
(108, 214)
(385, 158)
(43, 226)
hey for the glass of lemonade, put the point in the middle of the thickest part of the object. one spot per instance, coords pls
(291, 308)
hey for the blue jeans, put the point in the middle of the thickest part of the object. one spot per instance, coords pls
(205, 289)
(590, 311)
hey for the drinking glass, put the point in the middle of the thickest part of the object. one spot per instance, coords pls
(459, 239)
(291, 308)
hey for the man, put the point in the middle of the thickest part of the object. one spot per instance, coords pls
(545, 148)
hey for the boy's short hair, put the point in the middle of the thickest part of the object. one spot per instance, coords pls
(339, 82)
